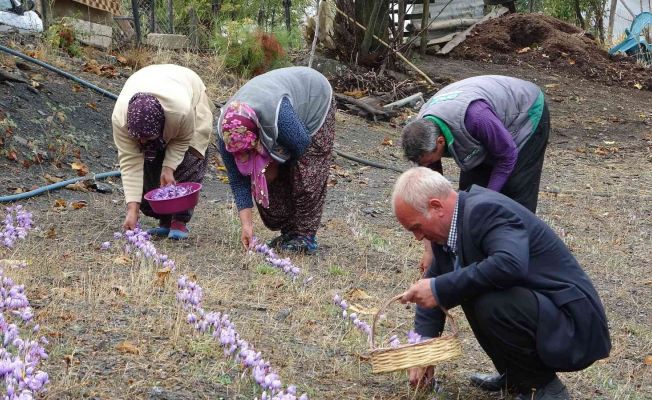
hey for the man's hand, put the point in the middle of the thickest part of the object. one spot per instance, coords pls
(167, 176)
(421, 294)
(426, 261)
(131, 219)
(421, 377)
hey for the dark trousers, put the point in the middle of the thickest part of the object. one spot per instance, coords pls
(505, 325)
(523, 184)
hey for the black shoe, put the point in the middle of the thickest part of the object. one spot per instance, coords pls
(489, 382)
(279, 240)
(553, 390)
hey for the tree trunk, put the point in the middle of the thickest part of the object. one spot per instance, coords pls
(612, 17)
(425, 19)
(287, 4)
(372, 15)
(578, 13)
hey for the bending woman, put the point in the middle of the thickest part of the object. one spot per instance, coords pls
(276, 136)
(162, 123)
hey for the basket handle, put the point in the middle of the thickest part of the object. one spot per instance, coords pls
(398, 297)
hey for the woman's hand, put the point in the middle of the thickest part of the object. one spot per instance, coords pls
(247, 228)
(167, 176)
(131, 219)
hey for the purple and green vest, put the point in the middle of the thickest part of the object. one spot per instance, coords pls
(517, 103)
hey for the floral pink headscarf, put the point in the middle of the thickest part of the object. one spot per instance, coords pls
(240, 130)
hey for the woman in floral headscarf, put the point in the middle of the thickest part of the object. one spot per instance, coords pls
(162, 123)
(276, 136)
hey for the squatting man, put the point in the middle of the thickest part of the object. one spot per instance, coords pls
(530, 305)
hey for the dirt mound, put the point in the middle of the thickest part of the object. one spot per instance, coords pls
(546, 42)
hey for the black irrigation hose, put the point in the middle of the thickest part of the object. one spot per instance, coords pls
(112, 96)
(60, 72)
(367, 162)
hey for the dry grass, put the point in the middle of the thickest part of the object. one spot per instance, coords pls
(88, 303)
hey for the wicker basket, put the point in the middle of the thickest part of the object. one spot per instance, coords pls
(428, 352)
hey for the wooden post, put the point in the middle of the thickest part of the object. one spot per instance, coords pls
(401, 22)
(152, 17)
(612, 17)
(171, 15)
(425, 18)
(45, 14)
(136, 14)
(194, 28)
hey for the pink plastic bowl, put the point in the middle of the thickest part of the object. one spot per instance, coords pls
(178, 204)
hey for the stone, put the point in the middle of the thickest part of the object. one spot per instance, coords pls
(92, 34)
(168, 41)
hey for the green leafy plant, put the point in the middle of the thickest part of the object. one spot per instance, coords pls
(62, 35)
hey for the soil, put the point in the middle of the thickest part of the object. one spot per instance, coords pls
(595, 195)
(546, 43)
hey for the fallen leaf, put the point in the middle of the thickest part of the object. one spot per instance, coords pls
(638, 86)
(52, 179)
(77, 186)
(92, 106)
(357, 308)
(119, 291)
(35, 84)
(61, 116)
(60, 203)
(356, 94)
(81, 168)
(357, 294)
(648, 359)
(70, 359)
(79, 204)
(571, 62)
(121, 60)
(76, 88)
(127, 347)
(388, 142)
(51, 233)
(12, 155)
(523, 50)
(162, 276)
(19, 190)
(122, 260)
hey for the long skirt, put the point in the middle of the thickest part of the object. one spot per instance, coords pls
(296, 197)
(192, 169)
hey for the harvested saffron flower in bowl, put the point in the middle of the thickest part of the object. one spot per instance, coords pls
(172, 199)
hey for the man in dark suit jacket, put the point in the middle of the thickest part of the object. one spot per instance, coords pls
(531, 306)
